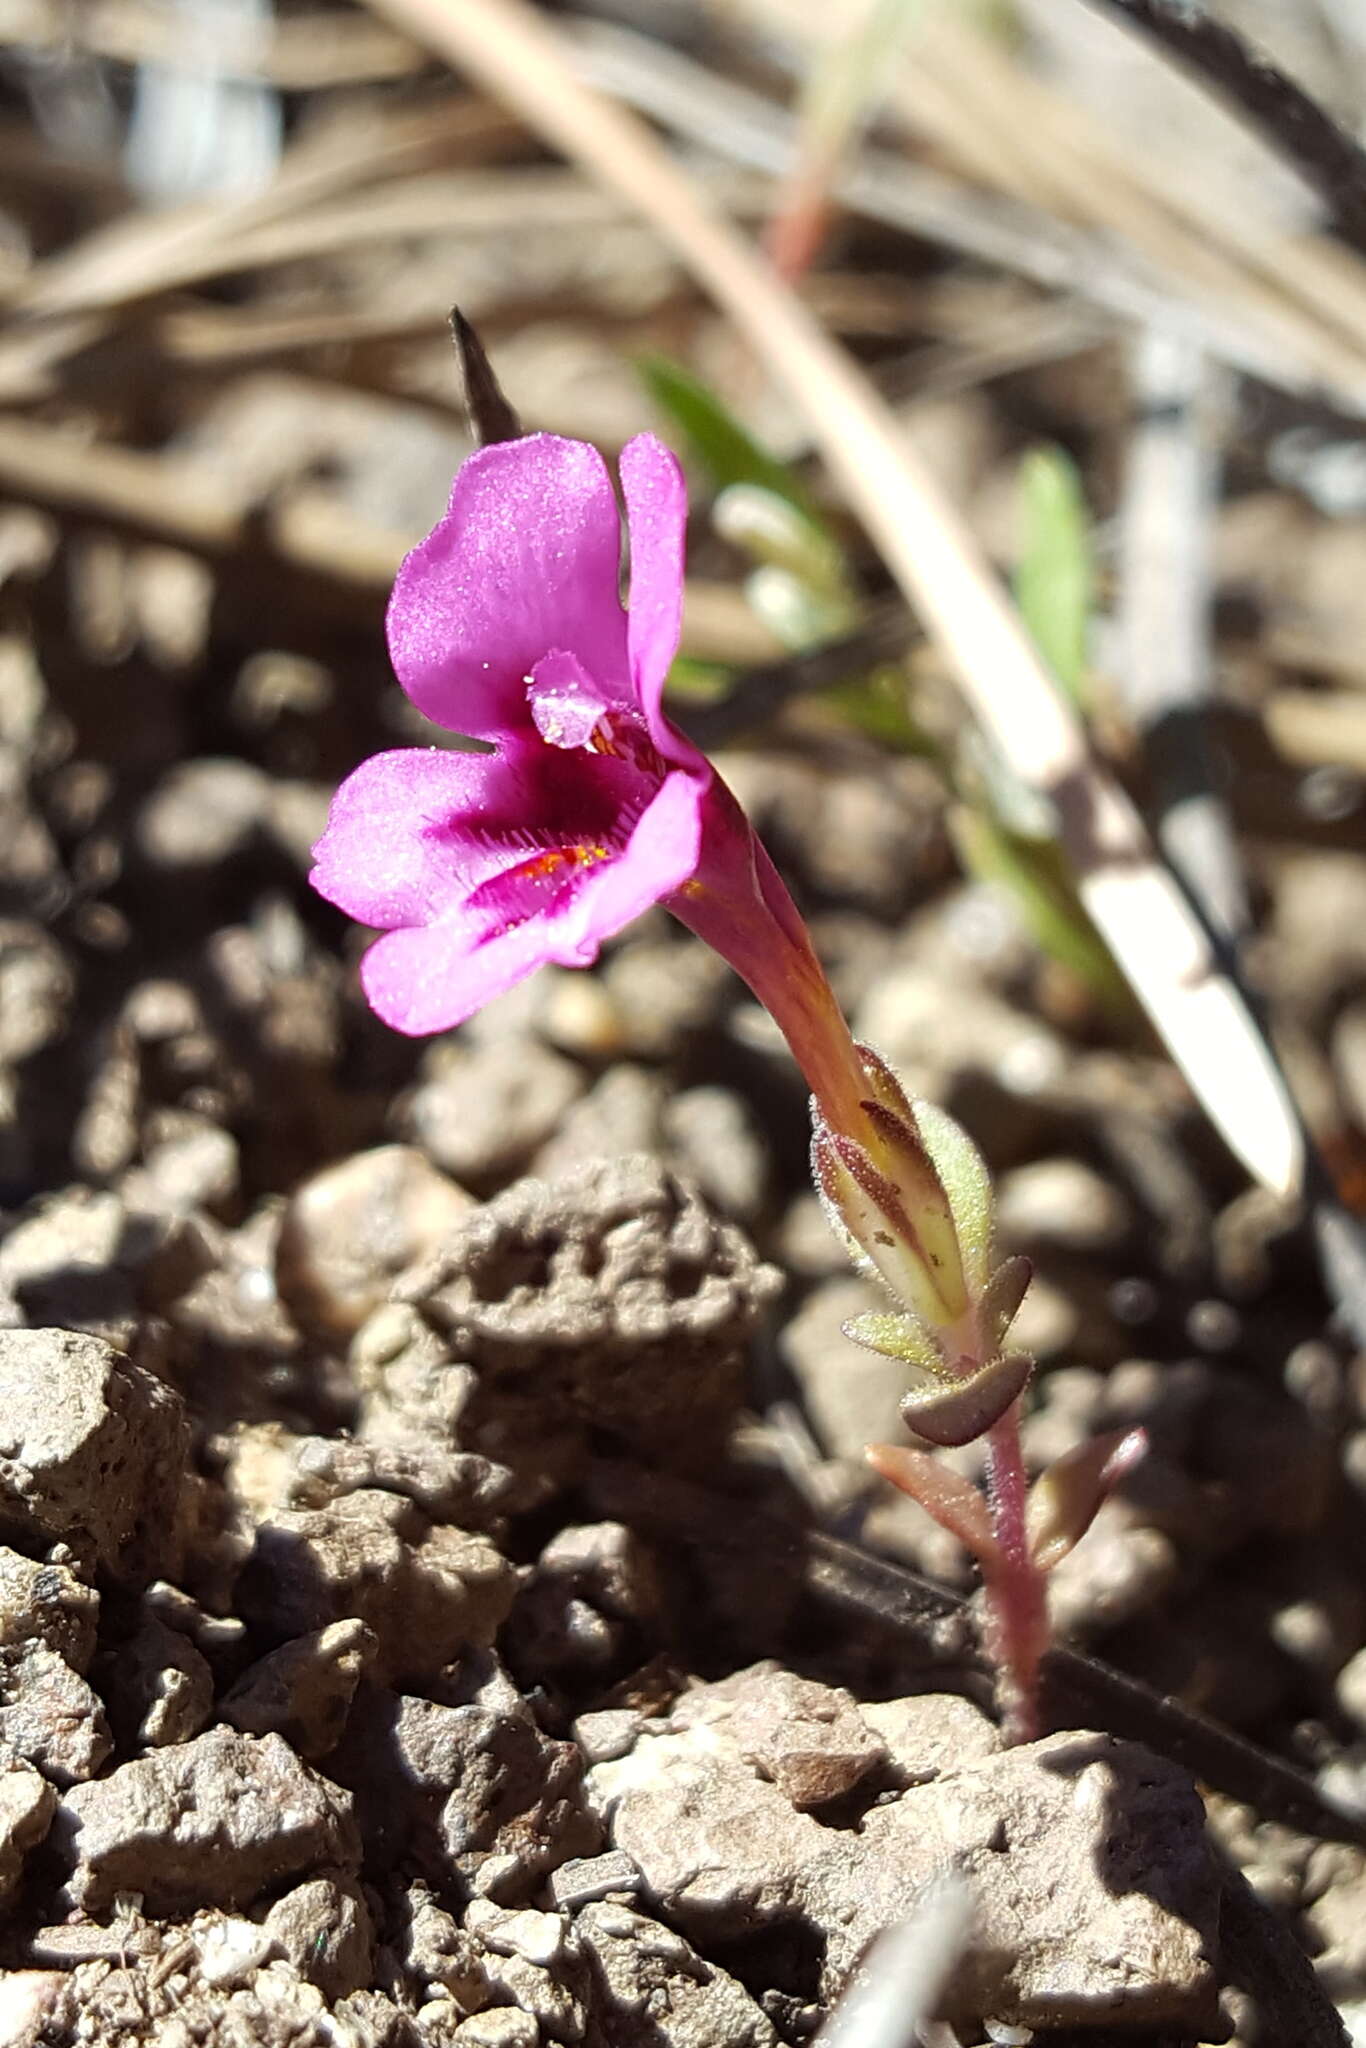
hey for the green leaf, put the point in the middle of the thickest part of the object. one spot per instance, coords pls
(714, 437)
(896, 1336)
(1034, 873)
(962, 1170)
(1054, 576)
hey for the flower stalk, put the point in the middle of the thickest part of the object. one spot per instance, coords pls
(507, 626)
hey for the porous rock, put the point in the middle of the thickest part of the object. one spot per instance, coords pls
(650, 1989)
(93, 1449)
(215, 1821)
(448, 1485)
(426, 1591)
(611, 1298)
(349, 1231)
(27, 1804)
(46, 1603)
(1095, 1890)
(303, 1691)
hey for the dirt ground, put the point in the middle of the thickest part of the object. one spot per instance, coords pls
(442, 1597)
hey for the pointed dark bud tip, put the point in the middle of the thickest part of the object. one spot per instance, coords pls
(491, 417)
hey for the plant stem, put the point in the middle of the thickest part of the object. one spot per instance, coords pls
(1015, 1585)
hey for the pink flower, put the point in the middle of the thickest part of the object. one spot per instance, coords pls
(506, 624)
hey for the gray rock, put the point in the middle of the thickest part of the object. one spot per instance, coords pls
(622, 1112)
(437, 1953)
(64, 1264)
(531, 1961)
(1350, 1689)
(607, 1733)
(323, 1927)
(663, 991)
(930, 1733)
(809, 1739)
(303, 1691)
(215, 1822)
(1123, 1569)
(501, 2027)
(1061, 1202)
(475, 1791)
(591, 1583)
(157, 1686)
(588, 1878)
(189, 1162)
(35, 990)
(852, 1396)
(1096, 1893)
(484, 1110)
(349, 1231)
(713, 1141)
(27, 1804)
(93, 1449)
(201, 814)
(426, 1591)
(50, 1715)
(1097, 1896)
(650, 1989)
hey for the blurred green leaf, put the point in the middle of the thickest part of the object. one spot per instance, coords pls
(879, 705)
(1035, 874)
(1054, 577)
(715, 438)
(779, 534)
(699, 682)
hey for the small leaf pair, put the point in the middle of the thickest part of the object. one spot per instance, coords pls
(1063, 1501)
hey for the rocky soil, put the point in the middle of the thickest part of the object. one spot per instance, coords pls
(443, 1603)
(389, 1654)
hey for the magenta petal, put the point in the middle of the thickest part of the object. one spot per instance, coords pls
(376, 862)
(660, 856)
(432, 978)
(527, 559)
(657, 519)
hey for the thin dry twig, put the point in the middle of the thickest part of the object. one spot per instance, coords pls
(1133, 900)
(1276, 107)
(302, 53)
(895, 1991)
(718, 115)
(1302, 295)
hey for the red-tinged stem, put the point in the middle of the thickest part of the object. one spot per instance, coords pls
(1015, 1585)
